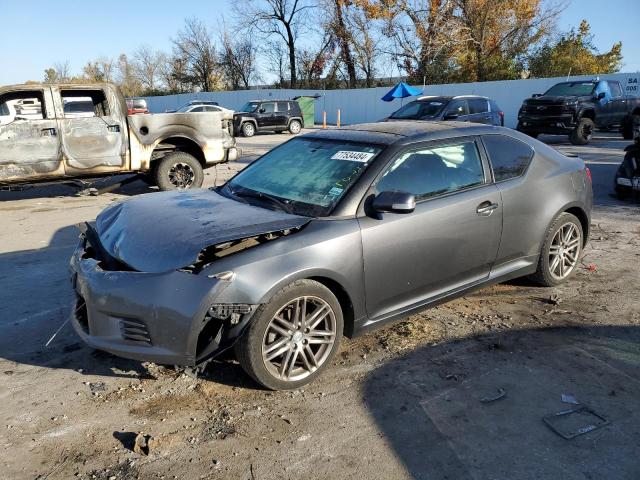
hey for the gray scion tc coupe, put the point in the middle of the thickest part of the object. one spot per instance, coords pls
(329, 234)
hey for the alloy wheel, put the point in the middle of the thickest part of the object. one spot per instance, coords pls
(564, 251)
(294, 127)
(299, 338)
(181, 175)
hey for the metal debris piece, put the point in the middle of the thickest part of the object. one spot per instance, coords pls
(97, 386)
(142, 444)
(573, 422)
(568, 398)
(501, 393)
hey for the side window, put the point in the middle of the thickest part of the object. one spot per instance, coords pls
(84, 103)
(616, 91)
(478, 105)
(22, 105)
(267, 107)
(433, 171)
(509, 157)
(283, 106)
(197, 110)
(457, 107)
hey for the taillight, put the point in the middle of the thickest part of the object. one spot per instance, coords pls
(588, 172)
(501, 118)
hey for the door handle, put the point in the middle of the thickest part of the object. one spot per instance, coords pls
(48, 132)
(486, 208)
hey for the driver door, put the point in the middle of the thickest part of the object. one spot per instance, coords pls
(450, 241)
(29, 139)
(267, 115)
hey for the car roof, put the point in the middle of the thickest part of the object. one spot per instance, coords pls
(272, 100)
(388, 133)
(448, 97)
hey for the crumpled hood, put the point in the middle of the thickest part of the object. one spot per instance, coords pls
(165, 231)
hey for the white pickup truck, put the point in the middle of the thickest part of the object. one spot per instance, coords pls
(50, 143)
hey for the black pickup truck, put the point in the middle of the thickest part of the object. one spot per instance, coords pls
(576, 108)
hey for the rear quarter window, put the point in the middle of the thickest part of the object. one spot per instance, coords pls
(509, 157)
(477, 105)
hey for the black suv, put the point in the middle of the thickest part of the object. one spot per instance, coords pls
(576, 108)
(268, 115)
(463, 108)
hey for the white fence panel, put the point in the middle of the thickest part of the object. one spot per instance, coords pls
(365, 104)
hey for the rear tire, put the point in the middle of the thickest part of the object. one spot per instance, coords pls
(294, 127)
(248, 129)
(621, 193)
(282, 353)
(562, 244)
(178, 171)
(581, 135)
(629, 125)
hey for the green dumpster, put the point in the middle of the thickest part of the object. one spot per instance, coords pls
(307, 105)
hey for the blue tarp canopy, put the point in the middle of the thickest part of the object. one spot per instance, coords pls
(401, 90)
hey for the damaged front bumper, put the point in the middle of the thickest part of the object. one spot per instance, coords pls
(168, 318)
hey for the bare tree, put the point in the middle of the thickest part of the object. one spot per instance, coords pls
(63, 71)
(283, 19)
(100, 70)
(194, 48)
(148, 64)
(238, 61)
(276, 55)
(366, 41)
(336, 12)
(127, 77)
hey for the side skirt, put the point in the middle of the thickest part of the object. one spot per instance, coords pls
(502, 273)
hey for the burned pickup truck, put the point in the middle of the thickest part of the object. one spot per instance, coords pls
(54, 132)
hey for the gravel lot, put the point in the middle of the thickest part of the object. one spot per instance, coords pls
(403, 402)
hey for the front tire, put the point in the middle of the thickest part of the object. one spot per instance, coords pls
(560, 252)
(178, 171)
(293, 337)
(294, 127)
(248, 129)
(581, 135)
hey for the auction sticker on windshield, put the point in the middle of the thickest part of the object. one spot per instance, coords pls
(362, 157)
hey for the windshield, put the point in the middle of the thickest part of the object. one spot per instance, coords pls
(184, 108)
(571, 89)
(418, 110)
(306, 176)
(249, 107)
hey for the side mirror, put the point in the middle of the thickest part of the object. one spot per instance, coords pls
(536, 95)
(394, 202)
(601, 95)
(262, 110)
(450, 116)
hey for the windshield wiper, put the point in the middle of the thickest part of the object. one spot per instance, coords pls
(262, 196)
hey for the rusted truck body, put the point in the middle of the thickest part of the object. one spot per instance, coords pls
(52, 139)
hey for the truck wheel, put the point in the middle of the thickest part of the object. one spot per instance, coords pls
(178, 171)
(629, 125)
(294, 127)
(581, 135)
(248, 130)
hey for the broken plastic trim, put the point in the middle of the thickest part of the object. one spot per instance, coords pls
(226, 310)
(210, 254)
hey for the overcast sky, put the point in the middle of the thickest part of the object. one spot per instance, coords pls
(36, 34)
